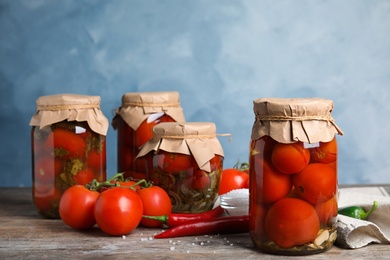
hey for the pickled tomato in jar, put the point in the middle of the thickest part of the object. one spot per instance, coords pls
(186, 160)
(134, 121)
(293, 176)
(65, 152)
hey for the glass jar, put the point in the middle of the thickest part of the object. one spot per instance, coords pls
(293, 176)
(134, 121)
(68, 147)
(186, 160)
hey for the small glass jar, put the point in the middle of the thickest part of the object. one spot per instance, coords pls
(186, 160)
(293, 176)
(134, 121)
(68, 138)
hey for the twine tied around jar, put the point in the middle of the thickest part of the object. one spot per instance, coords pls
(151, 104)
(326, 118)
(65, 107)
(208, 136)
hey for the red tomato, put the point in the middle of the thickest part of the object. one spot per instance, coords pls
(216, 163)
(118, 211)
(96, 159)
(84, 176)
(128, 183)
(290, 158)
(47, 168)
(200, 180)
(316, 183)
(76, 207)
(274, 184)
(144, 133)
(327, 210)
(48, 200)
(290, 222)
(71, 144)
(156, 202)
(325, 153)
(174, 163)
(232, 179)
(43, 187)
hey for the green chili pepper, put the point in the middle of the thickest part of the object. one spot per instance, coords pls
(358, 212)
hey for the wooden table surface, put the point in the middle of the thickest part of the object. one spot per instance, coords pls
(25, 235)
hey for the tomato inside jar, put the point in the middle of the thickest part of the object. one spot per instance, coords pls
(65, 152)
(293, 184)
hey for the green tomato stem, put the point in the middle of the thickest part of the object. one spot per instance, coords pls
(95, 185)
(145, 184)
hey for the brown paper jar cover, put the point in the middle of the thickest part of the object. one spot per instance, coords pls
(71, 107)
(288, 120)
(196, 138)
(137, 106)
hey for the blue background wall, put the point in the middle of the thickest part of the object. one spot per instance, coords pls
(220, 56)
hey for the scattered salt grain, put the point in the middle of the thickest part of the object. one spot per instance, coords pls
(172, 248)
(123, 237)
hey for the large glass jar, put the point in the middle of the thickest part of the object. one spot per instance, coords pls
(293, 176)
(68, 139)
(134, 121)
(186, 160)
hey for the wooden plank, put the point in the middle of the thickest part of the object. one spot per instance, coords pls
(24, 234)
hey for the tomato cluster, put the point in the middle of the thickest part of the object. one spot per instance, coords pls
(117, 207)
(130, 141)
(64, 154)
(293, 191)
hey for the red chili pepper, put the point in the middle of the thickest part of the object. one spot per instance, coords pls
(224, 225)
(175, 219)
